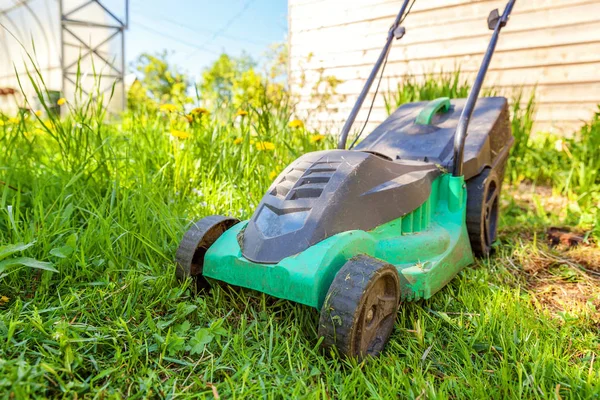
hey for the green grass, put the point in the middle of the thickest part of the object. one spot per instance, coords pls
(105, 205)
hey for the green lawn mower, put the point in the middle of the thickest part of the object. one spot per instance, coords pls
(355, 232)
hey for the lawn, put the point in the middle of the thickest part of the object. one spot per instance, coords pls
(91, 213)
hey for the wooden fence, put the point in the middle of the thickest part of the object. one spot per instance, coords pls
(551, 47)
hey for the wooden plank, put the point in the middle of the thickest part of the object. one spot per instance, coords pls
(584, 93)
(341, 4)
(556, 32)
(563, 56)
(568, 128)
(330, 42)
(555, 74)
(509, 42)
(549, 43)
(322, 16)
(503, 59)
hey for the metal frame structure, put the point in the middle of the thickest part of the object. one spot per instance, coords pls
(116, 29)
(71, 21)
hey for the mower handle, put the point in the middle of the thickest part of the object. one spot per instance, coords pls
(393, 32)
(495, 22)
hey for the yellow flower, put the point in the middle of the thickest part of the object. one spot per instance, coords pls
(189, 118)
(273, 175)
(252, 141)
(13, 121)
(61, 101)
(238, 140)
(4, 299)
(241, 113)
(38, 113)
(296, 123)
(199, 111)
(168, 108)
(265, 146)
(316, 138)
(38, 131)
(180, 134)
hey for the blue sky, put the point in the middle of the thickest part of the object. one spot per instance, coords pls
(196, 32)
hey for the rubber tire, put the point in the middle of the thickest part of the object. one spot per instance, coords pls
(196, 241)
(481, 190)
(343, 313)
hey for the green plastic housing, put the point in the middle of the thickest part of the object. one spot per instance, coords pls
(428, 247)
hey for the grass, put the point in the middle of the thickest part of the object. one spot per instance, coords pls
(104, 205)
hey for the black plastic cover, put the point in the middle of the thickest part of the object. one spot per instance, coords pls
(399, 138)
(328, 192)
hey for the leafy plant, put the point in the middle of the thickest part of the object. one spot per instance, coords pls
(11, 249)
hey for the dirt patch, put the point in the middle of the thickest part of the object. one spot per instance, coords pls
(586, 256)
(571, 297)
(565, 279)
(561, 271)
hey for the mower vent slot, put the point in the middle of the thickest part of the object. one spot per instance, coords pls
(314, 179)
(307, 192)
(319, 169)
(283, 188)
(293, 175)
(305, 180)
(313, 182)
(303, 165)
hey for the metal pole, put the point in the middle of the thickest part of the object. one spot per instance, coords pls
(370, 80)
(123, 89)
(461, 130)
(62, 51)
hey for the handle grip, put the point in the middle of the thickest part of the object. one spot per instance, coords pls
(433, 107)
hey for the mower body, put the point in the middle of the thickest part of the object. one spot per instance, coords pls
(390, 198)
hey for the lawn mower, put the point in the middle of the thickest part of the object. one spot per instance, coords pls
(355, 232)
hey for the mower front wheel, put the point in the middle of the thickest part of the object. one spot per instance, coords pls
(360, 309)
(196, 241)
(483, 197)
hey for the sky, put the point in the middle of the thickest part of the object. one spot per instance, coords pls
(196, 32)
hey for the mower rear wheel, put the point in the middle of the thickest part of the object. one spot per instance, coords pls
(360, 309)
(483, 196)
(196, 241)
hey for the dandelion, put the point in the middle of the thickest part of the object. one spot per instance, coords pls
(199, 111)
(38, 131)
(38, 113)
(180, 134)
(4, 299)
(296, 123)
(238, 140)
(265, 146)
(14, 121)
(273, 175)
(241, 113)
(61, 101)
(316, 138)
(168, 108)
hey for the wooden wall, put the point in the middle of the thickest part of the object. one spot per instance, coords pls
(550, 46)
